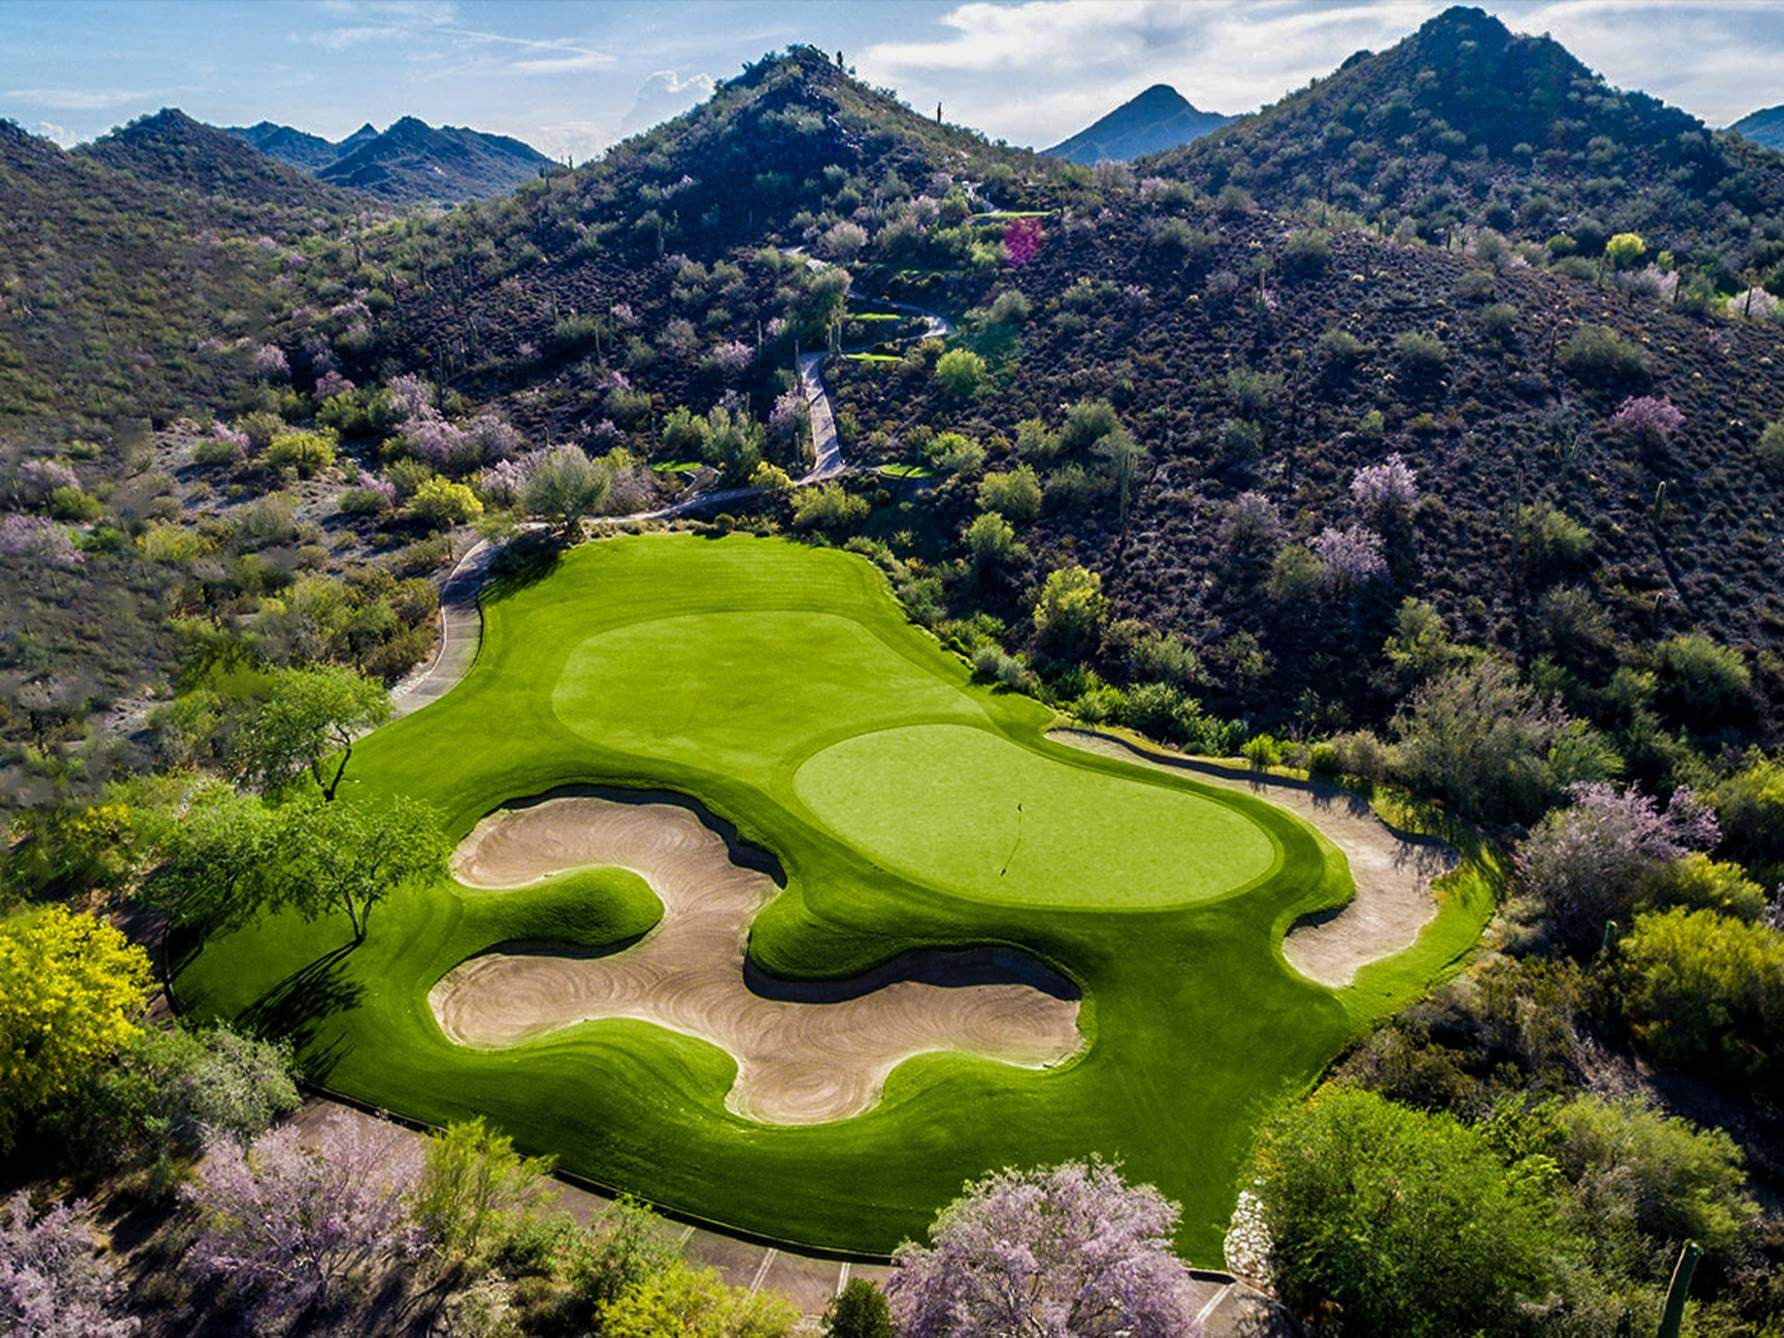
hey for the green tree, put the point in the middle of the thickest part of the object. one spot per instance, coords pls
(829, 507)
(1069, 615)
(352, 856)
(695, 1303)
(1016, 495)
(1750, 807)
(1706, 991)
(308, 715)
(1478, 738)
(72, 991)
(1408, 1223)
(859, 1310)
(1625, 250)
(961, 372)
(991, 541)
(476, 1192)
(215, 858)
(440, 503)
(566, 486)
(1124, 455)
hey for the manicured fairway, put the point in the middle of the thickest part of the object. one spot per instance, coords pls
(782, 687)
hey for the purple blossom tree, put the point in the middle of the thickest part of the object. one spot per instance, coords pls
(52, 1283)
(1648, 420)
(1069, 1251)
(623, 315)
(788, 418)
(503, 482)
(1586, 863)
(732, 359)
(1349, 557)
(1385, 491)
(332, 383)
(1022, 240)
(269, 362)
(290, 1227)
(1252, 525)
(39, 478)
(40, 539)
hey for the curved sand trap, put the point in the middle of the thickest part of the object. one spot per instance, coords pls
(1392, 870)
(817, 1053)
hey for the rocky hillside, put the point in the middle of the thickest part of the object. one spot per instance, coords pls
(1161, 118)
(1466, 124)
(171, 148)
(410, 162)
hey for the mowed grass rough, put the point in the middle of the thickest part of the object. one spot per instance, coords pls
(783, 688)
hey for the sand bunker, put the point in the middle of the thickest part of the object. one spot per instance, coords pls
(1392, 870)
(816, 1053)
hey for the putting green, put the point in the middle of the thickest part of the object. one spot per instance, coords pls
(782, 688)
(969, 810)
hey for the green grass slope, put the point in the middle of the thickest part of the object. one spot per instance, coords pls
(783, 688)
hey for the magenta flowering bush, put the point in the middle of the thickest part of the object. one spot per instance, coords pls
(1649, 420)
(732, 358)
(1586, 863)
(332, 383)
(1063, 1250)
(1386, 490)
(291, 1227)
(1349, 557)
(1022, 240)
(51, 1280)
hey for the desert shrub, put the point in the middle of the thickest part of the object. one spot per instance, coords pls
(1149, 654)
(1409, 1223)
(1647, 420)
(1644, 1183)
(995, 665)
(1771, 447)
(859, 1310)
(1307, 251)
(1295, 576)
(1420, 352)
(771, 478)
(1086, 423)
(1599, 355)
(1499, 320)
(169, 1086)
(306, 452)
(368, 413)
(1475, 286)
(683, 434)
(1252, 393)
(1015, 495)
(1552, 540)
(1701, 683)
(955, 453)
(440, 503)
(1706, 991)
(961, 372)
(1068, 616)
(1011, 307)
(1241, 441)
(1697, 882)
(1034, 441)
(475, 1194)
(829, 508)
(680, 1298)
(1750, 807)
(1234, 201)
(1342, 347)
(991, 541)
(1478, 738)
(1263, 751)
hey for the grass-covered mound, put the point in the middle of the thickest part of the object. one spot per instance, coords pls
(783, 688)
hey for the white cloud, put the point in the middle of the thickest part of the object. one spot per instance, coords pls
(663, 95)
(572, 60)
(61, 134)
(72, 99)
(580, 140)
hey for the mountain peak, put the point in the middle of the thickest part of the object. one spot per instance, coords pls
(1156, 119)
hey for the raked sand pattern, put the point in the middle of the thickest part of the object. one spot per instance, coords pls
(797, 1062)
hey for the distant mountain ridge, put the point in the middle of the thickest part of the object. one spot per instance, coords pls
(1765, 126)
(1158, 119)
(170, 147)
(409, 162)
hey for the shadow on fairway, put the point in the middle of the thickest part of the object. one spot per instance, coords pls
(298, 1005)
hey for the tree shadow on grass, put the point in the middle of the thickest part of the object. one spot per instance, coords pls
(296, 1008)
(525, 560)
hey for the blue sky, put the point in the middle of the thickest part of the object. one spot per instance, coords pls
(573, 77)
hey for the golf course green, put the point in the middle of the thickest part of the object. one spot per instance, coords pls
(904, 808)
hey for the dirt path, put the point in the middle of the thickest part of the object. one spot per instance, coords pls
(807, 1055)
(1392, 870)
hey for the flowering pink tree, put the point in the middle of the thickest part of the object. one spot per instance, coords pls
(332, 383)
(1069, 1250)
(1648, 420)
(1350, 557)
(40, 539)
(1385, 491)
(1252, 524)
(289, 1226)
(787, 420)
(39, 478)
(1586, 863)
(732, 359)
(52, 1283)
(1022, 240)
(269, 362)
